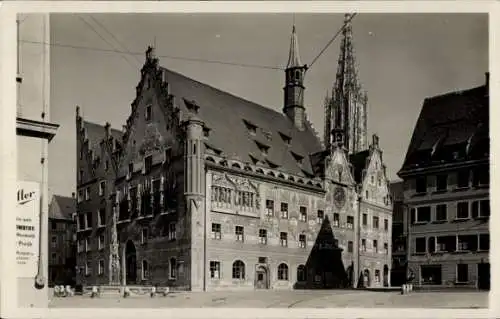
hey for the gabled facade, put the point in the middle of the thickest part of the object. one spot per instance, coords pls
(446, 190)
(216, 192)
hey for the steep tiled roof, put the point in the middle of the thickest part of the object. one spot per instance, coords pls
(67, 206)
(96, 133)
(242, 129)
(358, 161)
(451, 127)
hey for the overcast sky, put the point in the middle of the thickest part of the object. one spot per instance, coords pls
(402, 59)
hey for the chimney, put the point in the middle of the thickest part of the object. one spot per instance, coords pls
(107, 127)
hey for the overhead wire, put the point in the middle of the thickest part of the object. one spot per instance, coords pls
(105, 40)
(332, 39)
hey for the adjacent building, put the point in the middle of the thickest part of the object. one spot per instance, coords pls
(34, 131)
(203, 190)
(446, 189)
(399, 271)
(62, 241)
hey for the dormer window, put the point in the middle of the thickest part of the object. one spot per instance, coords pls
(298, 158)
(263, 148)
(252, 129)
(287, 139)
(148, 113)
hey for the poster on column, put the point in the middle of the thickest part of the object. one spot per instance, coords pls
(27, 228)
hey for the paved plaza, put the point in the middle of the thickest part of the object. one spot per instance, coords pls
(284, 299)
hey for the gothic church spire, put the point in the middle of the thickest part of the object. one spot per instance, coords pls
(293, 55)
(347, 110)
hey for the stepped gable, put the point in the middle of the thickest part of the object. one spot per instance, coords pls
(242, 129)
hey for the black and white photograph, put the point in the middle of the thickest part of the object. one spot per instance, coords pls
(250, 160)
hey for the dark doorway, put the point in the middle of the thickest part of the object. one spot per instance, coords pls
(261, 278)
(131, 263)
(483, 276)
(386, 276)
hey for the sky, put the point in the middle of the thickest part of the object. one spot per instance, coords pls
(401, 60)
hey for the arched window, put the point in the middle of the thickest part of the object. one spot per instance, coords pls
(301, 273)
(238, 270)
(297, 75)
(283, 272)
(145, 270)
(173, 268)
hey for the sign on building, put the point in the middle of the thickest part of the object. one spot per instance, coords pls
(27, 228)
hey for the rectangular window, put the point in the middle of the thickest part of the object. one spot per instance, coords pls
(88, 268)
(350, 247)
(421, 185)
(284, 210)
(87, 193)
(239, 232)
(481, 176)
(88, 221)
(53, 258)
(350, 222)
(467, 243)
(375, 222)
(484, 208)
(101, 215)
(269, 207)
(420, 245)
(463, 178)
(302, 241)
(100, 243)
(446, 243)
(148, 164)
(148, 113)
(320, 216)
(54, 241)
(87, 244)
(431, 274)
(441, 212)
(365, 219)
(80, 177)
(302, 214)
(441, 182)
(101, 266)
(102, 188)
(215, 269)
(386, 248)
(336, 219)
(172, 231)
(484, 242)
(144, 235)
(377, 276)
(375, 246)
(81, 246)
(363, 245)
(80, 195)
(423, 214)
(263, 236)
(386, 224)
(283, 239)
(216, 231)
(462, 273)
(462, 210)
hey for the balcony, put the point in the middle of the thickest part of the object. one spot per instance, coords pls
(37, 129)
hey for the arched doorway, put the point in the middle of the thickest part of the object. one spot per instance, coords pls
(130, 263)
(386, 276)
(261, 277)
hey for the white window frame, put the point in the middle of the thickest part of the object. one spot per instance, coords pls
(216, 234)
(263, 239)
(88, 268)
(102, 188)
(101, 267)
(336, 222)
(87, 193)
(303, 213)
(172, 231)
(215, 274)
(88, 246)
(302, 243)
(239, 237)
(284, 242)
(348, 224)
(100, 243)
(269, 210)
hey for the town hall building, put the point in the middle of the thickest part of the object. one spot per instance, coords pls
(203, 190)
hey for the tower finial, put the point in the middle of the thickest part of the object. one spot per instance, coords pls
(293, 55)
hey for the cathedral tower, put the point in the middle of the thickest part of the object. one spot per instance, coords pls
(294, 85)
(346, 114)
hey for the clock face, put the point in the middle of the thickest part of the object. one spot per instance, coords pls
(339, 197)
